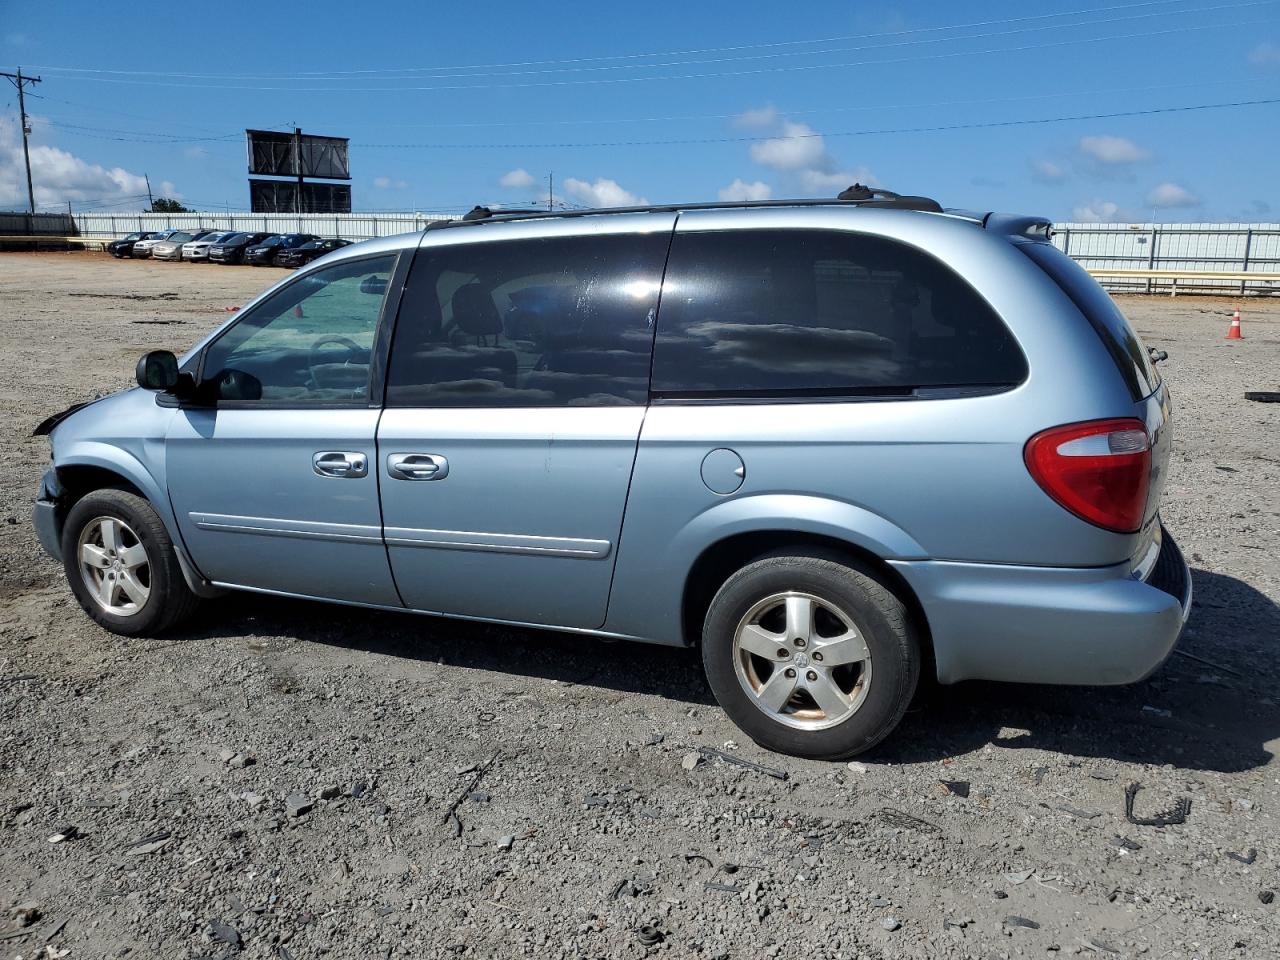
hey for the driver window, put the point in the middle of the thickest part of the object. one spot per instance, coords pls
(312, 342)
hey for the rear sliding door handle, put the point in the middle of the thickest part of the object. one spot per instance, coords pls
(417, 466)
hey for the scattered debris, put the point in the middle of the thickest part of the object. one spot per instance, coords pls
(329, 793)
(1179, 652)
(690, 760)
(1074, 811)
(649, 935)
(722, 887)
(27, 912)
(224, 932)
(242, 760)
(1157, 712)
(1015, 921)
(1267, 896)
(856, 767)
(709, 752)
(654, 740)
(451, 814)
(896, 818)
(148, 844)
(506, 842)
(1102, 775)
(1262, 396)
(955, 788)
(295, 805)
(1000, 895)
(595, 800)
(1246, 858)
(1124, 843)
(1167, 818)
(1018, 877)
(891, 924)
(68, 832)
(690, 857)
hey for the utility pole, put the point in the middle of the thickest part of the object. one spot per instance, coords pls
(19, 81)
(151, 204)
(551, 190)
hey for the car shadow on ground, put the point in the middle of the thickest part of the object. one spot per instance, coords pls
(1210, 707)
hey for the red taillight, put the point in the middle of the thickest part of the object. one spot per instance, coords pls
(1098, 470)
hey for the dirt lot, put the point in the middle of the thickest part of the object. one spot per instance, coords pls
(586, 827)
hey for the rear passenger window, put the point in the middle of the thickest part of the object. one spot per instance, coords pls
(821, 312)
(557, 321)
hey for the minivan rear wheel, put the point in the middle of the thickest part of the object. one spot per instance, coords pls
(122, 566)
(810, 656)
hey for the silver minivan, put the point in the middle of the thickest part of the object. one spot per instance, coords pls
(834, 444)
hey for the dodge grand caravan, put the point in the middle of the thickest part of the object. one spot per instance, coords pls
(834, 444)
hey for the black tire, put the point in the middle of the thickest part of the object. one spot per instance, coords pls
(880, 617)
(169, 601)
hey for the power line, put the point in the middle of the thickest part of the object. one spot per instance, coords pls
(664, 53)
(691, 76)
(760, 138)
(807, 136)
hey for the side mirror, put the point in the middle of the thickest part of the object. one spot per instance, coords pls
(157, 370)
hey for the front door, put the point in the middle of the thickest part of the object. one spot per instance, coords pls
(516, 391)
(274, 483)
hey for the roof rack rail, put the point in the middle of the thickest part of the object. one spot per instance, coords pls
(858, 195)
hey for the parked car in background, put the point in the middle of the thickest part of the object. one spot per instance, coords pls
(264, 254)
(311, 250)
(857, 442)
(142, 248)
(231, 250)
(124, 246)
(198, 249)
(171, 248)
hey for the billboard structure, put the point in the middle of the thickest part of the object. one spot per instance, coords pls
(297, 156)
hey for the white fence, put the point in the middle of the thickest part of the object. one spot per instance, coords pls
(1227, 247)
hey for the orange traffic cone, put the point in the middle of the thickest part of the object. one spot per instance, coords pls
(1234, 332)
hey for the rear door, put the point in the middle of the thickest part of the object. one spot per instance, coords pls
(516, 391)
(274, 484)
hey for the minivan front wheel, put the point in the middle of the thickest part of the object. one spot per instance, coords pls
(121, 564)
(810, 656)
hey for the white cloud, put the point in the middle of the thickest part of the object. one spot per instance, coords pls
(59, 176)
(1265, 54)
(741, 190)
(765, 116)
(1097, 211)
(388, 183)
(519, 178)
(1172, 195)
(798, 147)
(602, 193)
(800, 154)
(1112, 150)
(1046, 171)
(195, 153)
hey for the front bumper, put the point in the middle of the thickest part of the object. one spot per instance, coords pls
(46, 515)
(1098, 626)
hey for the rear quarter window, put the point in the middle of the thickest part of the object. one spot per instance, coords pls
(1130, 356)
(775, 313)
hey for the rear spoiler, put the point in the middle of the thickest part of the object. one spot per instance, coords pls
(1018, 225)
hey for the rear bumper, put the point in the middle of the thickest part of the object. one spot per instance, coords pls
(1096, 626)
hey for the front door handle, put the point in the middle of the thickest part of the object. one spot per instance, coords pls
(338, 463)
(417, 466)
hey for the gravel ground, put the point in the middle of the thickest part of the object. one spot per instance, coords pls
(277, 781)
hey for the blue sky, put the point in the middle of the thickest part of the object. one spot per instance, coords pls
(448, 105)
